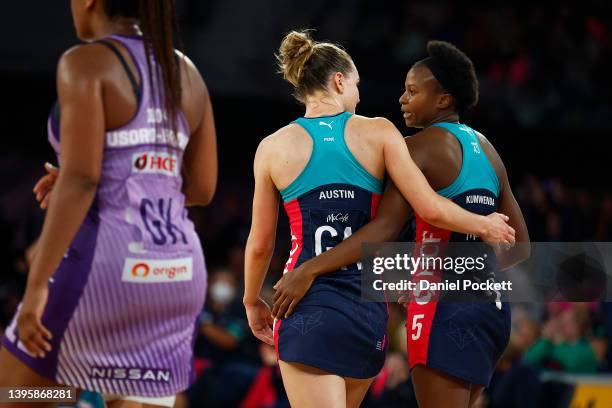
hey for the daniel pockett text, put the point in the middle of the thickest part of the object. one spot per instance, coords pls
(418, 265)
(471, 271)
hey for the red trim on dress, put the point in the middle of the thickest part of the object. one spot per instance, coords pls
(294, 212)
(374, 205)
(423, 303)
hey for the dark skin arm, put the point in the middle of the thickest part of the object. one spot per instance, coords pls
(80, 82)
(200, 160)
(199, 169)
(291, 288)
(432, 145)
(393, 212)
(507, 205)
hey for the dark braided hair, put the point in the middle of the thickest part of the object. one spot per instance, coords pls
(458, 70)
(159, 24)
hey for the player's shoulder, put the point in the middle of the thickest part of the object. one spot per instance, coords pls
(377, 122)
(376, 130)
(282, 138)
(482, 139)
(280, 145)
(286, 132)
(430, 136)
(90, 56)
(491, 153)
(189, 66)
(84, 63)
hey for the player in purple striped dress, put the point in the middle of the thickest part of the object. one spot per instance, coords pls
(119, 277)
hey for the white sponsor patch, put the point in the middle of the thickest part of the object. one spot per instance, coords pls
(141, 136)
(155, 163)
(157, 270)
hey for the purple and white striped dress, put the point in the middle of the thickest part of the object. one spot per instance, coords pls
(124, 301)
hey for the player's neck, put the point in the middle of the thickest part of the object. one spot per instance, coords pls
(322, 105)
(451, 117)
(117, 26)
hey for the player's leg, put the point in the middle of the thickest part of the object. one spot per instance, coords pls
(436, 389)
(14, 373)
(475, 392)
(132, 404)
(123, 404)
(356, 390)
(309, 387)
(141, 402)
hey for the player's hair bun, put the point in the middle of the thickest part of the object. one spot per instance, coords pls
(295, 50)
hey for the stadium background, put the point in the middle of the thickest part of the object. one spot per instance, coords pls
(545, 81)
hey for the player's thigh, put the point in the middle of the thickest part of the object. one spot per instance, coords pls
(435, 389)
(14, 373)
(309, 387)
(133, 404)
(356, 390)
(123, 404)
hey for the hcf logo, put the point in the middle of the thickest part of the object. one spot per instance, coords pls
(155, 162)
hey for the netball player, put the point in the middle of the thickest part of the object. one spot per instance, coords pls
(462, 165)
(328, 167)
(119, 276)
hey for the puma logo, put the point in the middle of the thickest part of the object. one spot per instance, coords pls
(329, 125)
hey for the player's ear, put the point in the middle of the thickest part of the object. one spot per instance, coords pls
(90, 4)
(445, 101)
(338, 82)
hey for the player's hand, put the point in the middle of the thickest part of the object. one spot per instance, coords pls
(404, 299)
(34, 336)
(260, 321)
(290, 289)
(397, 368)
(498, 233)
(42, 189)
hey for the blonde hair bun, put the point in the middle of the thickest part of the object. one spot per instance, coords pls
(295, 50)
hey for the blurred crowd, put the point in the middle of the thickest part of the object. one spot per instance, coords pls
(537, 64)
(539, 68)
(235, 369)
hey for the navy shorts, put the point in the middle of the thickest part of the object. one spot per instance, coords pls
(462, 339)
(334, 330)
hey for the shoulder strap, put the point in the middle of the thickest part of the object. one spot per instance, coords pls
(129, 73)
(476, 170)
(331, 161)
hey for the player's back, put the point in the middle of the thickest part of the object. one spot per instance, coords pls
(437, 320)
(136, 255)
(475, 189)
(331, 197)
(139, 199)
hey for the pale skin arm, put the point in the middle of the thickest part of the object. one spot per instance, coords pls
(82, 127)
(392, 213)
(260, 245)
